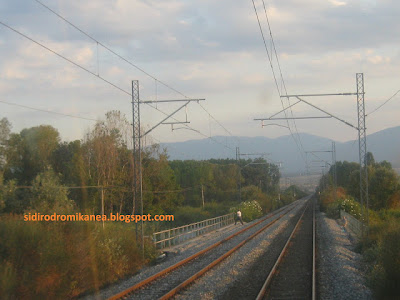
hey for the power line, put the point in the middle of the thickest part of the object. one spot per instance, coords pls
(383, 103)
(266, 49)
(280, 72)
(126, 60)
(202, 134)
(47, 111)
(65, 58)
(273, 73)
(105, 80)
(223, 127)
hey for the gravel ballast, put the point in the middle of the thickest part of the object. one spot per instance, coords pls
(242, 274)
(175, 255)
(340, 269)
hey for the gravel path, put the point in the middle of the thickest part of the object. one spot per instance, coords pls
(340, 270)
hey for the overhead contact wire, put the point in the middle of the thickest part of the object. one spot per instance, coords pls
(126, 60)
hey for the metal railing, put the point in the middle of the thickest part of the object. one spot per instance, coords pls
(352, 223)
(178, 235)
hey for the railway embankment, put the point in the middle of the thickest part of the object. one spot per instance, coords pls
(341, 272)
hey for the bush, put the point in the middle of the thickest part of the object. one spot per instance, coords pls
(187, 214)
(251, 210)
(384, 275)
(57, 260)
(347, 204)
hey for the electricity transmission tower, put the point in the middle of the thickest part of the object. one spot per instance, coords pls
(362, 146)
(137, 146)
(362, 135)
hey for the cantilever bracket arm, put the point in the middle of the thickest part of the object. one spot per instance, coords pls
(265, 119)
(300, 118)
(324, 111)
(175, 100)
(166, 118)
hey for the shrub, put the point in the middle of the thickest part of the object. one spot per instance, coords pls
(384, 275)
(57, 260)
(187, 214)
(250, 210)
(347, 204)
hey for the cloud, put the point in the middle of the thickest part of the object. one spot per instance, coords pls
(84, 55)
(338, 3)
(206, 48)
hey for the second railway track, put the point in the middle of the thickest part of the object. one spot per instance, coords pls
(169, 282)
(293, 275)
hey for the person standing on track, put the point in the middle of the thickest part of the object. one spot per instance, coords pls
(238, 217)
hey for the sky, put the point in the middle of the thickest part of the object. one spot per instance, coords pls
(211, 50)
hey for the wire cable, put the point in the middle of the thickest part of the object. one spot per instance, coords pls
(275, 80)
(219, 123)
(65, 58)
(103, 79)
(383, 103)
(280, 72)
(47, 111)
(126, 60)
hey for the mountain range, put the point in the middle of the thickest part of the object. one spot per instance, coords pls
(384, 145)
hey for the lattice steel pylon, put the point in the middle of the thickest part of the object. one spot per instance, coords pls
(137, 147)
(334, 173)
(362, 137)
(137, 159)
(362, 148)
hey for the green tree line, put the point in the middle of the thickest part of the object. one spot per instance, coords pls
(39, 171)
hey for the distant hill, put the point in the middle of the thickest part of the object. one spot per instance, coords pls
(385, 145)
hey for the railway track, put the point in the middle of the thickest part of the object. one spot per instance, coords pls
(293, 275)
(173, 279)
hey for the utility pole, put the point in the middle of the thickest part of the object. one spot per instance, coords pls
(334, 176)
(137, 148)
(137, 160)
(362, 135)
(362, 147)
(102, 204)
(239, 174)
(202, 195)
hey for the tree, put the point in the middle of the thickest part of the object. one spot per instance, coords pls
(369, 159)
(5, 130)
(68, 162)
(252, 192)
(383, 183)
(159, 183)
(48, 195)
(344, 170)
(109, 163)
(30, 152)
(260, 173)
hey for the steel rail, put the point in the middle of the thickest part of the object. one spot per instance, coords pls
(314, 293)
(267, 282)
(154, 277)
(190, 280)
